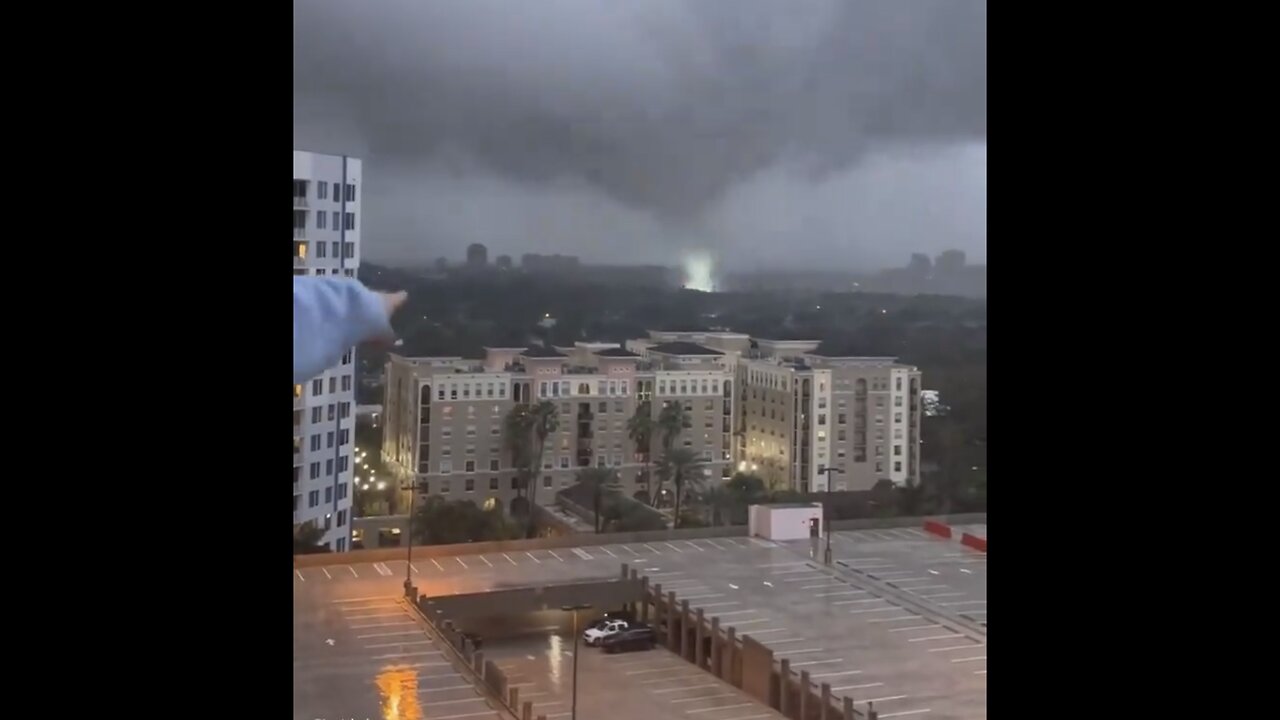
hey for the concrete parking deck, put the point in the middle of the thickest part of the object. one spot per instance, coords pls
(896, 654)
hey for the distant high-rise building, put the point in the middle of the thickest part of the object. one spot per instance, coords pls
(950, 261)
(503, 262)
(326, 241)
(920, 266)
(477, 255)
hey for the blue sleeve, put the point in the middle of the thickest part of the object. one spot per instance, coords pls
(330, 316)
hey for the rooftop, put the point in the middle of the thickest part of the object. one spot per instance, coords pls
(683, 348)
(616, 352)
(535, 351)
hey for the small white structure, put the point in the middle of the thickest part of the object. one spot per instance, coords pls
(785, 521)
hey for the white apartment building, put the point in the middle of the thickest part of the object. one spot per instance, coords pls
(326, 241)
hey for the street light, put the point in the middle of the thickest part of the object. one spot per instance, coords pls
(573, 712)
(826, 510)
(408, 578)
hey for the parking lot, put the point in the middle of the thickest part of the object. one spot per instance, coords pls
(647, 684)
(362, 657)
(866, 646)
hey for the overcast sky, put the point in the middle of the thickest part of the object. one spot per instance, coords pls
(805, 133)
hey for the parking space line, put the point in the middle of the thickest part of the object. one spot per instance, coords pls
(979, 672)
(414, 569)
(477, 698)
(856, 602)
(866, 567)
(402, 643)
(938, 595)
(702, 710)
(766, 630)
(508, 557)
(816, 576)
(887, 573)
(829, 583)
(299, 574)
(886, 699)
(805, 651)
(704, 697)
(840, 592)
(474, 714)
(967, 602)
(899, 532)
(583, 554)
(871, 610)
(935, 637)
(914, 588)
(531, 557)
(816, 662)
(554, 555)
(459, 559)
(720, 604)
(695, 546)
(896, 619)
(970, 646)
(607, 550)
(447, 687)
(856, 687)
(906, 712)
(969, 659)
(400, 655)
(387, 598)
(390, 634)
(707, 595)
(799, 639)
(370, 616)
(673, 547)
(688, 687)
(353, 571)
(837, 674)
(486, 560)
(714, 545)
(794, 570)
(385, 624)
(737, 612)
(628, 549)
(438, 565)
(793, 563)
(381, 605)
(382, 569)
(326, 572)
(916, 627)
(655, 550)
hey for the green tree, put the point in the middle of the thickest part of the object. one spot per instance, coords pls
(744, 489)
(306, 539)
(679, 465)
(602, 484)
(546, 420)
(671, 421)
(517, 436)
(640, 430)
(443, 522)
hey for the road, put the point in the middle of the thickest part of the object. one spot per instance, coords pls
(903, 659)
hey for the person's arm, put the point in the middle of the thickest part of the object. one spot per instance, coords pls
(330, 316)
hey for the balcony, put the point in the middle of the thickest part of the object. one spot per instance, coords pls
(299, 202)
(299, 233)
(299, 262)
(299, 403)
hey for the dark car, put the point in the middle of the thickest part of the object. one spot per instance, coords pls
(635, 637)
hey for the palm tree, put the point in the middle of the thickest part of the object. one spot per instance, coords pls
(517, 435)
(603, 483)
(640, 430)
(545, 420)
(678, 464)
(671, 420)
(719, 501)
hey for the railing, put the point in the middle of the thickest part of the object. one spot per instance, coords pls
(299, 202)
(299, 232)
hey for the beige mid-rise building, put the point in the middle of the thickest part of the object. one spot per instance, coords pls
(445, 417)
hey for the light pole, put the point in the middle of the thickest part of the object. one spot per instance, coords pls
(826, 510)
(573, 711)
(408, 567)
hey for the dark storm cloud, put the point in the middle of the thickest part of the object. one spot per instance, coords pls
(652, 127)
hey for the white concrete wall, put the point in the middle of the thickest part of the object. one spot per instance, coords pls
(783, 523)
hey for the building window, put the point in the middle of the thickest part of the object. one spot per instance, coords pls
(344, 410)
(564, 462)
(317, 387)
(346, 383)
(342, 491)
(344, 437)
(343, 465)
(469, 485)
(342, 520)
(471, 466)
(879, 466)
(351, 193)
(493, 483)
(897, 384)
(822, 418)
(493, 465)
(897, 417)
(546, 481)
(328, 495)
(321, 217)
(446, 467)
(313, 498)
(335, 227)
(328, 441)
(897, 466)
(328, 467)
(317, 414)
(897, 450)
(322, 190)
(296, 499)
(444, 487)
(315, 442)
(350, 221)
(515, 483)
(841, 418)
(314, 470)
(897, 401)
(603, 408)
